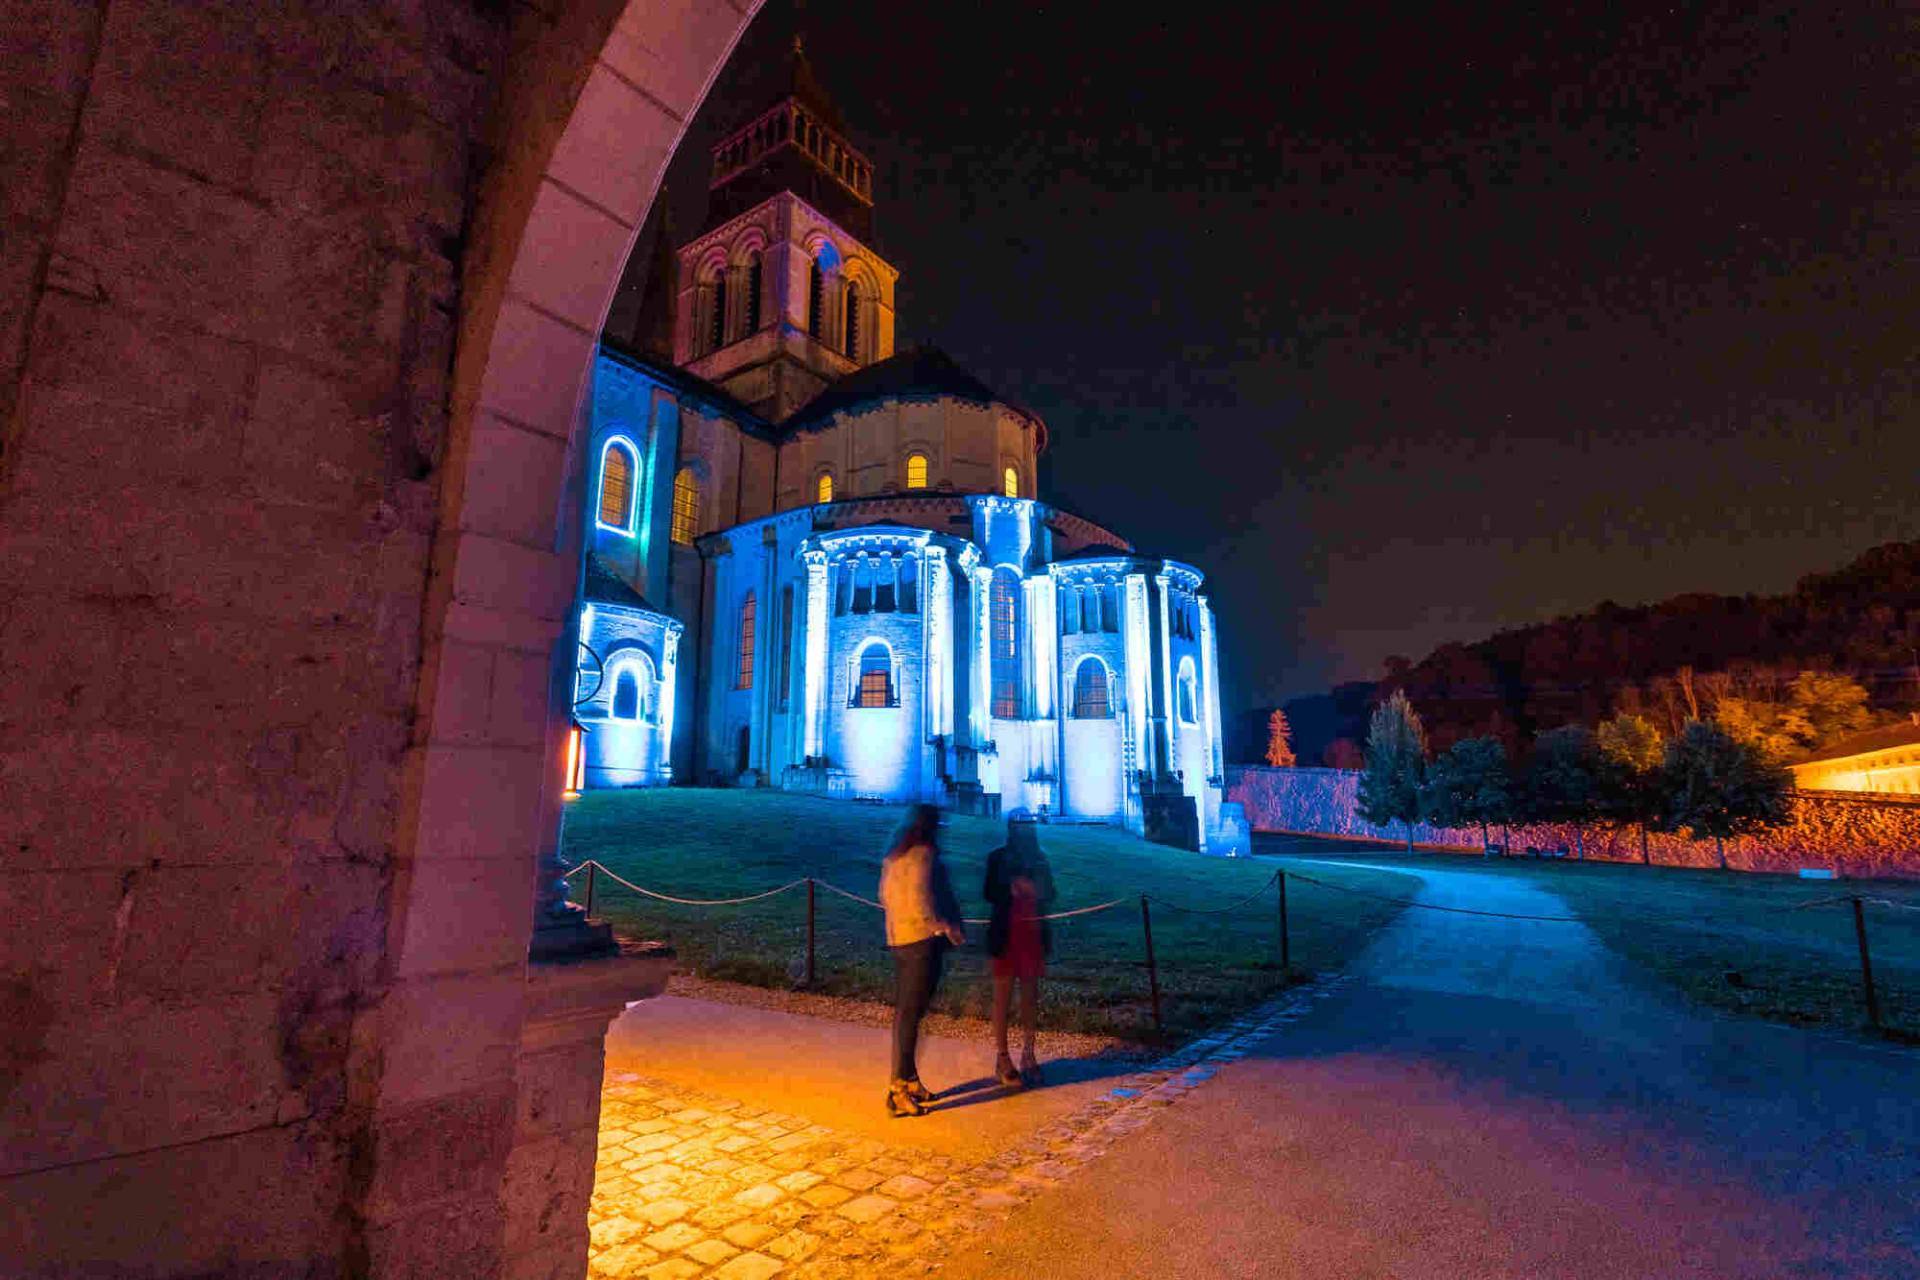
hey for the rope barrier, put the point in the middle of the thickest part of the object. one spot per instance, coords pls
(688, 902)
(1217, 911)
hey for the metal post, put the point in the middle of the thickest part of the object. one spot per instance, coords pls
(591, 868)
(1153, 972)
(1866, 964)
(810, 931)
(1286, 951)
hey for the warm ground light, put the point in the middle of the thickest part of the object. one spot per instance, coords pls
(713, 844)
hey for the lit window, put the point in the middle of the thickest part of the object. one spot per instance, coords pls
(1188, 701)
(686, 507)
(1090, 691)
(916, 471)
(875, 688)
(1003, 609)
(1010, 482)
(744, 678)
(823, 488)
(616, 486)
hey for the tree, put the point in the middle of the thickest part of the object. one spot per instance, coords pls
(1631, 752)
(1712, 784)
(1561, 783)
(1469, 783)
(1279, 741)
(1395, 764)
(1792, 717)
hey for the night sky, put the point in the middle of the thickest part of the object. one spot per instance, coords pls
(1405, 324)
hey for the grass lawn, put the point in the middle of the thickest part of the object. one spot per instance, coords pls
(713, 843)
(1727, 939)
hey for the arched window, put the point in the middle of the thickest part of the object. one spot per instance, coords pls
(1090, 700)
(743, 679)
(1069, 611)
(686, 507)
(1110, 607)
(863, 585)
(843, 586)
(816, 298)
(626, 696)
(1003, 612)
(1010, 482)
(875, 686)
(1089, 608)
(850, 334)
(883, 585)
(1189, 697)
(717, 316)
(823, 487)
(916, 471)
(909, 582)
(617, 461)
(634, 686)
(754, 275)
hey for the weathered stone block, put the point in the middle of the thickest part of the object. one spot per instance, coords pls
(133, 1075)
(184, 82)
(480, 802)
(520, 705)
(450, 1149)
(560, 1092)
(465, 915)
(451, 1035)
(262, 1203)
(571, 256)
(513, 486)
(615, 145)
(450, 1240)
(547, 1181)
(497, 574)
(637, 50)
(520, 382)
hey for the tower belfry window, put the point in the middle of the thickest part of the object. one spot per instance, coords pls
(753, 293)
(717, 322)
(852, 335)
(816, 298)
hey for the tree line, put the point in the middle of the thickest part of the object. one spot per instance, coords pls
(1705, 780)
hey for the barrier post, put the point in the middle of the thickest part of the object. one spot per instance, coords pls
(1286, 951)
(1153, 973)
(810, 932)
(591, 868)
(1866, 964)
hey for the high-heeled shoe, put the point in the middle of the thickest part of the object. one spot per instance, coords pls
(1009, 1078)
(902, 1103)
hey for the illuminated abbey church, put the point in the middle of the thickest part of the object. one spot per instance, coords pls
(821, 564)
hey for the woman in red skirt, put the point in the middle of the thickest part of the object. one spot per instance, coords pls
(1019, 887)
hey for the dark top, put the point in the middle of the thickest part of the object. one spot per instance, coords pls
(1003, 865)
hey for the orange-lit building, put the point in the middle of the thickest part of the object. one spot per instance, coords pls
(1886, 761)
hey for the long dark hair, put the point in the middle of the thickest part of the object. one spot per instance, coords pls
(920, 826)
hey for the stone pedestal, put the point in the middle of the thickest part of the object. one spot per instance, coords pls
(558, 1076)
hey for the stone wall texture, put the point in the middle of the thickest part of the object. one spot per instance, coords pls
(1852, 837)
(296, 301)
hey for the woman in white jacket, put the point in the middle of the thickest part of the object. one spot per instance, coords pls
(923, 920)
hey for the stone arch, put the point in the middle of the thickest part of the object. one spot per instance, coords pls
(413, 801)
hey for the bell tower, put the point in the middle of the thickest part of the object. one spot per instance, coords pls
(781, 293)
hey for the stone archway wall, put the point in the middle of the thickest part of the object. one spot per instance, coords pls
(295, 306)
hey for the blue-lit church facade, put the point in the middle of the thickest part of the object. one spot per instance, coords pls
(820, 565)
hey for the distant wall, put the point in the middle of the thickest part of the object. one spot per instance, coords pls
(1855, 836)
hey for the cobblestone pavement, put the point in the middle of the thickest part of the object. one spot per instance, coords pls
(689, 1184)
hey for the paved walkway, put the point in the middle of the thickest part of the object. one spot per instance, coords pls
(745, 1143)
(1497, 1098)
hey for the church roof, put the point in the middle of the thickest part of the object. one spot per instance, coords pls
(603, 586)
(690, 385)
(916, 373)
(802, 85)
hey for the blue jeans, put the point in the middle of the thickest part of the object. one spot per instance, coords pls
(916, 974)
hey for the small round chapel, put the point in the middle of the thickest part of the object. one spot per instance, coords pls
(874, 601)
